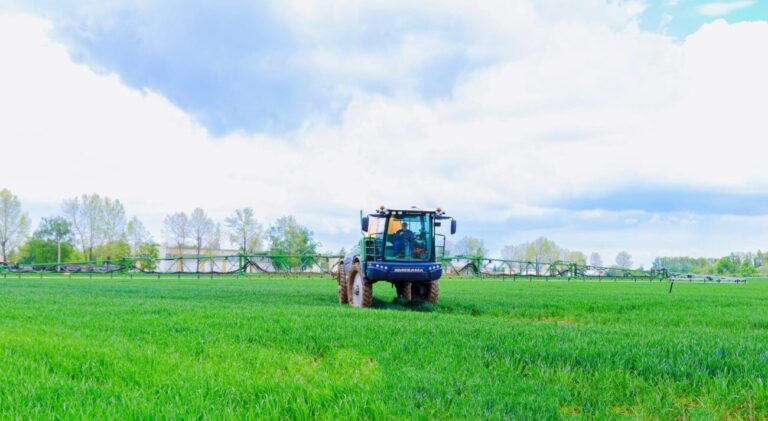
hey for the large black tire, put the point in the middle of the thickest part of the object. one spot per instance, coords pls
(404, 291)
(433, 291)
(428, 292)
(359, 288)
(343, 294)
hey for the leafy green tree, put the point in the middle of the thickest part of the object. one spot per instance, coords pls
(748, 269)
(577, 257)
(55, 229)
(148, 252)
(294, 241)
(39, 251)
(704, 265)
(14, 224)
(763, 270)
(543, 250)
(760, 259)
(725, 266)
(112, 251)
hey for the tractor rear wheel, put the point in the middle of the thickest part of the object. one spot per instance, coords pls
(360, 289)
(404, 291)
(343, 294)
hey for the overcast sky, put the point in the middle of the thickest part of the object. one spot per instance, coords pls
(601, 125)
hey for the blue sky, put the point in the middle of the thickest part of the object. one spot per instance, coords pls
(680, 18)
(603, 125)
(244, 66)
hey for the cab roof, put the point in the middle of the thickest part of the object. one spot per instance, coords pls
(382, 211)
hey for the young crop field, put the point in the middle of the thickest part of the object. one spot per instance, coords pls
(283, 348)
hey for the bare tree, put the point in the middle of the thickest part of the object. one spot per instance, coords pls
(514, 253)
(71, 210)
(112, 220)
(624, 260)
(471, 247)
(541, 252)
(245, 230)
(213, 242)
(85, 214)
(595, 259)
(510, 252)
(136, 234)
(14, 225)
(176, 227)
(200, 227)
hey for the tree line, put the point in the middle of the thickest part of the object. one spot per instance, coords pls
(735, 264)
(97, 229)
(542, 250)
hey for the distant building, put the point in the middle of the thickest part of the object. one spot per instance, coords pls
(185, 259)
(173, 252)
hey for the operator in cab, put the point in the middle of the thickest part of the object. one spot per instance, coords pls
(403, 239)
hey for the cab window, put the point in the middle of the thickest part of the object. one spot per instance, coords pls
(409, 238)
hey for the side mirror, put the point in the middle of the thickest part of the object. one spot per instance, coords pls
(453, 226)
(364, 224)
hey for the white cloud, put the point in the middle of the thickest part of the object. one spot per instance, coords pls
(586, 108)
(723, 8)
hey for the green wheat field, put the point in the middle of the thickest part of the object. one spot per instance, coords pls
(283, 348)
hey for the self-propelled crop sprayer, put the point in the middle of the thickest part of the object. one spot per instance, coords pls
(400, 246)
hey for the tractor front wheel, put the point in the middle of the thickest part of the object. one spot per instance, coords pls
(428, 292)
(360, 289)
(433, 291)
